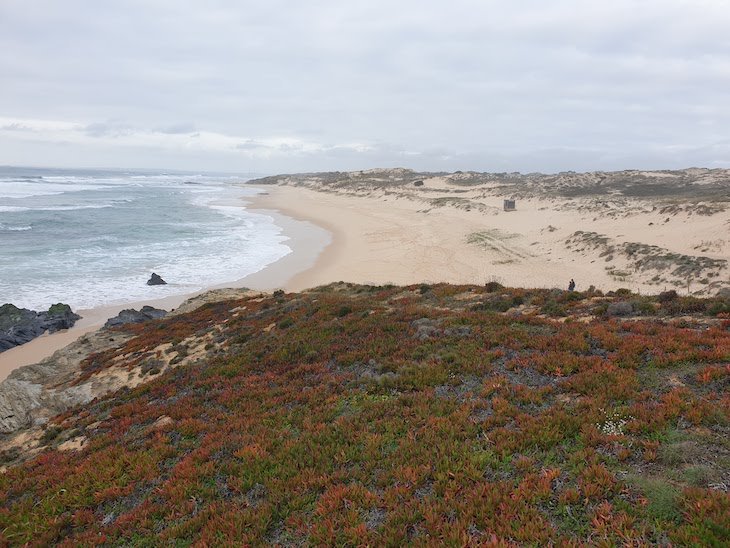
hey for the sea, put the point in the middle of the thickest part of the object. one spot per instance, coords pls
(92, 238)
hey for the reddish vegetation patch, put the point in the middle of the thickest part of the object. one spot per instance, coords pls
(383, 415)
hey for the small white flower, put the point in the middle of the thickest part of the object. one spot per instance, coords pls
(614, 423)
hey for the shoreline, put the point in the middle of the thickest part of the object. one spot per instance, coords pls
(306, 239)
(270, 204)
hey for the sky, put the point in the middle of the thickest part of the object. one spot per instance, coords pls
(284, 86)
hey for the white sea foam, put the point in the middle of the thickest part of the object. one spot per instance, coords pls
(11, 228)
(28, 189)
(106, 205)
(55, 208)
(73, 207)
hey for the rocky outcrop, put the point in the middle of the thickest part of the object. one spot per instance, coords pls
(17, 326)
(130, 315)
(156, 279)
(34, 393)
(20, 325)
(59, 316)
(214, 296)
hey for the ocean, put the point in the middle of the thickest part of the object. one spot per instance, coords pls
(91, 238)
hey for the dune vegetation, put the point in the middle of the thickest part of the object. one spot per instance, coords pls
(428, 414)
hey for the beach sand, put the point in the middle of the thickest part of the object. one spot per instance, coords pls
(391, 239)
(401, 238)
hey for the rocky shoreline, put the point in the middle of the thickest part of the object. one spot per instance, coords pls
(20, 325)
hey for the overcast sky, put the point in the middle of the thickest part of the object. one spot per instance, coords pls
(292, 85)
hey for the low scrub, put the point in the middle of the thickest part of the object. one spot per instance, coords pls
(365, 415)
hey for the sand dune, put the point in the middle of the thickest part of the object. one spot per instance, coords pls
(631, 229)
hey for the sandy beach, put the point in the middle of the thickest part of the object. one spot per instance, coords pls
(436, 233)
(401, 240)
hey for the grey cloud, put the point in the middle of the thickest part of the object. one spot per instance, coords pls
(250, 145)
(177, 129)
(15, 126)
(467, 84)
(108, 129)
(292, 148)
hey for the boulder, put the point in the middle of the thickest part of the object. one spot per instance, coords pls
(59, 316)
(155, 279)
(17, 326)
(130, 315)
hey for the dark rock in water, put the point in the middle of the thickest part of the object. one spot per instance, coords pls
(131, 315)
(155, 279)
(20, 325)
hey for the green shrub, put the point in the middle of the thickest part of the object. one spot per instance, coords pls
(663, 498)
(718, 307)
(50, 434)
(492, 287)
(286, 322)
(684, 305)
(643, 307)
(344, 311)
(552, 308)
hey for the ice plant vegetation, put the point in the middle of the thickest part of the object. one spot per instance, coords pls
(419, 415)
